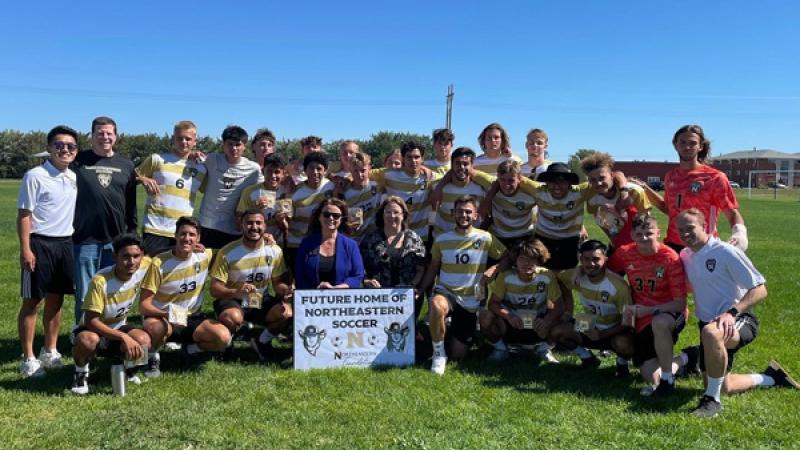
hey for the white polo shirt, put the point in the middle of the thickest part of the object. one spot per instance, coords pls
(224, 185)
(49, 195)
(720, 275)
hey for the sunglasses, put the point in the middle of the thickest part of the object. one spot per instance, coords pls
(69, 146)
(331, 215)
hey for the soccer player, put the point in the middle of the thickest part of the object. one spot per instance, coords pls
(536, 143)
(658, 287)
(341, 168)
(105, 207)
(458, 184)
(512, 208)
(228, 174)
(442, 146)
(362, 197)
(523, 306)
(172, 299)
(296, 170)
(306, 197)
(263, 145)
(603, 295)
(726, 287)
(103, 329)
(172, 180)
(459, 258)
(694, 184)
(241, 276)
(265, 195)
(496, 146)
(45, 211)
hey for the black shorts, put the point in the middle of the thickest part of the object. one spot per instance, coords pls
(563, 252)
(602, 344)
(107, 348)
(155, 245)
(257, 316)
(462, 322)
(216, 239)
(524, 336)
(747, 324)
(54, 268)
(644, 347)
(184, 335)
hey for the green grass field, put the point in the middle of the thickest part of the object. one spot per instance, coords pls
(519, 405)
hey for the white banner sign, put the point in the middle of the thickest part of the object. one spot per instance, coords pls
(353, 328)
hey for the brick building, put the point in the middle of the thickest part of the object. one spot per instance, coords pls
(738, 165)
(649, 171)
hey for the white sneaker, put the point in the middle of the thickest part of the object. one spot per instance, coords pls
(31, 368)
(80, 383)
(173, 346)
(546, 354)
(134, 379)
(439, 364)
(50, 360)
(647, 391)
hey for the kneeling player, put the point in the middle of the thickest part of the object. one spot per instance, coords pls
(523, 305)
(103, 330)
(658, 287)
(172, 298)
(244, 273)
(603, 295)
(726, 286)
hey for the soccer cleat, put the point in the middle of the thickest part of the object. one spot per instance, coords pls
(692, 366)
(132, 377)
(153, 369)
(544, 353)
(438, 364)
(244, 331)
(664, 389)
(80, 383)
(31, 367)
(708, 407)
(262, 349)
(590, 362)
(780, 375)
(622, 371)
(498, 355)
(50, 360)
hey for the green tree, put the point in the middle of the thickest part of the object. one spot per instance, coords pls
(574, 161)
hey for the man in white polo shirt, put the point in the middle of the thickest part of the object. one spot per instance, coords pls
(46, 208)
(726, 288)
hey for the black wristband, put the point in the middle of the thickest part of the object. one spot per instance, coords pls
(733, 311)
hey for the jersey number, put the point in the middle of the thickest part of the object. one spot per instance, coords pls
(462, 258)
(255, 277)
(640, 284)
(186, 287)
(179, 183)
(121, 312)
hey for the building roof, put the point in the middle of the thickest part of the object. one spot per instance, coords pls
(757, 154)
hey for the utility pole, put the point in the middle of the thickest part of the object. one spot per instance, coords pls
(449, 120)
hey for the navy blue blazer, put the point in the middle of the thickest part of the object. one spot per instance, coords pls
(349, 266)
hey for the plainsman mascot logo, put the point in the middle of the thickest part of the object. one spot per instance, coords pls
(312, 338)
(711, 264)
(396, 337)
(104, 179)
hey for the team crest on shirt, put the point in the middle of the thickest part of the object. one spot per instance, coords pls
(373, 190)
(228, 182)
(695, 187)
(328, 194)
(711, 264)
(520, 206)
(104, 179)
(197, 267)
(604, 296)
(570, 204)
(269, 260)
(540, 287)
(477, 244)
(659, 272)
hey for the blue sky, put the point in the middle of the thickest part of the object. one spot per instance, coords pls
(615, 76)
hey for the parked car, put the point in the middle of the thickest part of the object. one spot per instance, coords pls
(774, 185)
(656, 185)
(734, 184)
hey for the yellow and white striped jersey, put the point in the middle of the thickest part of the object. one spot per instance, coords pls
(413, 189)
(178, 281)
(304, 201)
(250, 197)
(438, 167)
(367, 199)
(179, 180)
(600, 202)
(489, 165)
(464, 258)
(535, 295)
(559, 218)
(604, 299)
(533, 172)
(237, 264)
(445, 220)
(111, 297)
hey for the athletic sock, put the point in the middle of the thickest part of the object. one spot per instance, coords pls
(438, 349)
(714, 387)
(154, 356)
(265, 337)
(193, 349)
(84, 368)
(500, 345)
(668, 377)
(582, 352)
(622, 361)
(762, 380)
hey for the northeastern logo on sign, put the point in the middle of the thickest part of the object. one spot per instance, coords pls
(396, 337)
(312, 338)
(711, 264)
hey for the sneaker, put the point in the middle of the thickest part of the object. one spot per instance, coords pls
(622, 371)
(262, 349)
(50, 360)
(31, 367)
(173, 346)
(590, 362)
(708, 407)
(438, 364)
(546, 354)
(664, 389)
(80, 383)
(647, 391)
(153, 369)
(243, 333)
(132, 377)
(780, 375)
(498, 355)
(692, 366)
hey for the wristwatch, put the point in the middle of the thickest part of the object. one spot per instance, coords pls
(733, 311)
